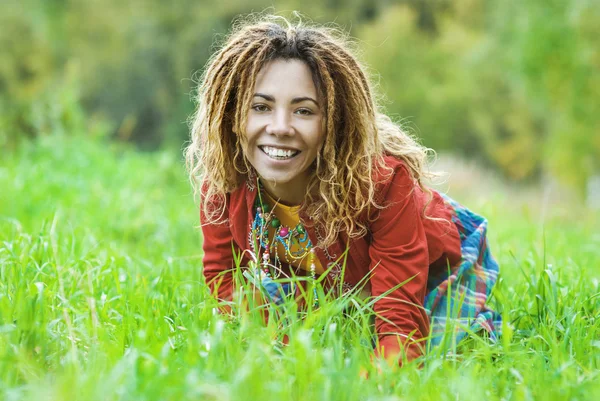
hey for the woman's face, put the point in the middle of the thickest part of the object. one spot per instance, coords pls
(284, 128)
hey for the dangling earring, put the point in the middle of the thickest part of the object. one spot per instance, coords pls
(252, 179)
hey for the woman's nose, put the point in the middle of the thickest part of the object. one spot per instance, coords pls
(280, 124)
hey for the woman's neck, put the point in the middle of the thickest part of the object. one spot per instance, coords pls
(289, 195)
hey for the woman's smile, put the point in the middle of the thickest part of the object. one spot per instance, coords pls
(279, 153)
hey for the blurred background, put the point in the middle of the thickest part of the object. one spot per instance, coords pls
(508, 87)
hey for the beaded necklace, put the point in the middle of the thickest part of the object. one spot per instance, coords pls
(288, 237)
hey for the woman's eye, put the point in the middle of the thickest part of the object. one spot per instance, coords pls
(304, 112)
(260, 108)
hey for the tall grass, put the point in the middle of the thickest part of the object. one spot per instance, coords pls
(102, 298)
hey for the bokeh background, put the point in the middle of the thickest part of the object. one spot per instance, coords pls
(101, 289)
(510, 87)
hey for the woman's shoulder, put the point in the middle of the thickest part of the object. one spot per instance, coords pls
(215, 195)
(214, 202)
(392, 173)
(394, 181)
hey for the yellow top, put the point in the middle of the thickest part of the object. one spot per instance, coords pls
(288, 217)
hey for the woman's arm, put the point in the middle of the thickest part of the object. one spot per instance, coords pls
(218, 261)
(398, 253)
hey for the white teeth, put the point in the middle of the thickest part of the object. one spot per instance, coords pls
(275, 152)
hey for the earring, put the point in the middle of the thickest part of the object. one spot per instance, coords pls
(252, 179)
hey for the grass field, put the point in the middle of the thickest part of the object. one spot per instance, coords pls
(102, 298)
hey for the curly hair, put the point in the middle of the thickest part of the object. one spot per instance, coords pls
(357, 135)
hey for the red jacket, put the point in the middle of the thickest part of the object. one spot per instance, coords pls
(401, 245)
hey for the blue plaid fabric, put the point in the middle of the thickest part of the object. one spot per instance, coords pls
(457, 302)
(275, 291)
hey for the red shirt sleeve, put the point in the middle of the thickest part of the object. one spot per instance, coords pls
(218, 255)
(399, 253)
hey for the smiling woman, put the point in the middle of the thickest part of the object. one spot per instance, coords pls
(300, 173)
(284, 129)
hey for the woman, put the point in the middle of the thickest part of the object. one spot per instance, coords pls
(296, 164)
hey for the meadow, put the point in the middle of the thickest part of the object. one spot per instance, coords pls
(102, 298)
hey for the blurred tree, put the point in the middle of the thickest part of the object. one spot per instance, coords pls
(36, 96)
(554, 60)
(137, 57)
(514, 83)
(422, 77)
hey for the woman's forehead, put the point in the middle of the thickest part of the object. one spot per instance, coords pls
(286, 78)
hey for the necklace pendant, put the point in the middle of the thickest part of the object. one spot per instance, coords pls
(283, 232)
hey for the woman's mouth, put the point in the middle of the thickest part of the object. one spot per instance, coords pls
(278, 153)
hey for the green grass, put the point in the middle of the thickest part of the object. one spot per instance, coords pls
(102, 298)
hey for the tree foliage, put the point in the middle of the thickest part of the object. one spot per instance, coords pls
(514, 83)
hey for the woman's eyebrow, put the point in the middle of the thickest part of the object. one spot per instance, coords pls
(294, 100)
(303, 98)
(266, 97)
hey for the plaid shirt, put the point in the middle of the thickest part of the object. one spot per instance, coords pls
(457, 303)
